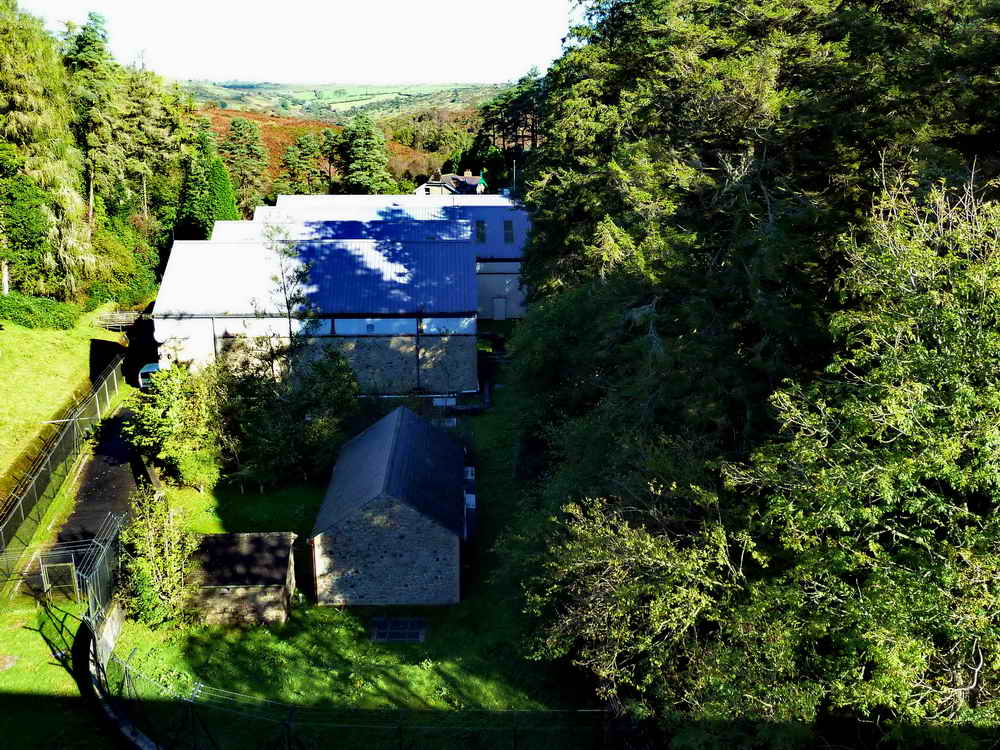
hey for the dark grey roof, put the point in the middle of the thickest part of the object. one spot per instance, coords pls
(404, 457)
(245, 559)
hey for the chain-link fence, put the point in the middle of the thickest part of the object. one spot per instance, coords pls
(209, 717)
(83, 571)
(22, 511)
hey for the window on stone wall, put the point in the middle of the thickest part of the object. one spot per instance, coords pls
(508, 232)
(480, 230)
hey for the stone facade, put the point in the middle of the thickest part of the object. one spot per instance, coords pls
(387, 553)
(237, 605)
(388, 364)
(448, 364)
(245, 578)
(383, 364)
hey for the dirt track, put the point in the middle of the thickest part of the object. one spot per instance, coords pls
(106, 481)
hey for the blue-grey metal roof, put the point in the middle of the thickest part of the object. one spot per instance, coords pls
(401, 457)
(384, 217)
(408, 229)
(358, 277)
(389, 277)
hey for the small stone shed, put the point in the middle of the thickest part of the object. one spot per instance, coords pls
(391, 526)
(245, 578)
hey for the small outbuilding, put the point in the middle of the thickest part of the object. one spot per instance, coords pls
(390, 529)
(245, 578)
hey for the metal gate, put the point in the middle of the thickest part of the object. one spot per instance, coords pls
(85, 571)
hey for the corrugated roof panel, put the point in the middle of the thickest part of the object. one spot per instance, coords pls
(406, 222)
(301, 201)
(351, 277)
(363, 225)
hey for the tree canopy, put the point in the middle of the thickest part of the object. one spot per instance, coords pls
(757, 358)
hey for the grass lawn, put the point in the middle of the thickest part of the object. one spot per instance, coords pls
(41, 705)
(322, 657)
(41, 372)
(226, 509)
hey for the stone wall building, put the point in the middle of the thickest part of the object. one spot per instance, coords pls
(402, 313)
(393, 519)
(245, 578)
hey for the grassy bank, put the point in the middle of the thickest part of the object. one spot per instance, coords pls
(41, 372)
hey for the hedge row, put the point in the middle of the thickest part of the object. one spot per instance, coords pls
(38, 312)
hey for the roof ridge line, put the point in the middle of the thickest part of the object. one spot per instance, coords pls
(393, 445)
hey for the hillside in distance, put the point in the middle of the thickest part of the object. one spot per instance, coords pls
(337, 102)
(278, 133)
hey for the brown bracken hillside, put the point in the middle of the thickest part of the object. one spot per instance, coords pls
(279, 133)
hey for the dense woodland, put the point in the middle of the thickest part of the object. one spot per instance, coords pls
(759, 382)
(762, 366)
(103, 165)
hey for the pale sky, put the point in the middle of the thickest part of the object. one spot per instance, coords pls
(327, 41)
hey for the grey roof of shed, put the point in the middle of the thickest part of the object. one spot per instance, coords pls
(245, 559)
(403, 457)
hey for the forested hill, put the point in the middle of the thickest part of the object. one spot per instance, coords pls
(762, 367)
(89, 157)
(103, 165)
(278, 133)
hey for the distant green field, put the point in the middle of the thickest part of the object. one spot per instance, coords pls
(338, 102)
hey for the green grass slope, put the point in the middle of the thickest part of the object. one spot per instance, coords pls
(41, 372)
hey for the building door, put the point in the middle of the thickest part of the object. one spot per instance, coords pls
(499, 308)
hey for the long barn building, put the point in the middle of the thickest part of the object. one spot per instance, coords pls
(395, 284)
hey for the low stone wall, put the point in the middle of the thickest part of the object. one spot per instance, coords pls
(243, 605)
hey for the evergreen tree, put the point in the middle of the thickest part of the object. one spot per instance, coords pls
(222, 197)
(86, 48)
(246, 159)
(25, 247)
(301, 173)
(330, 146)
(207, 194)
(364, 161)
(35, 117)
(697, 188)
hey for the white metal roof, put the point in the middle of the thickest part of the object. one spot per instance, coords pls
(356, 226)
(404, 199)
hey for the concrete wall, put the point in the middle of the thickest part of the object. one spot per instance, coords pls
(500, 280)
(387, 553)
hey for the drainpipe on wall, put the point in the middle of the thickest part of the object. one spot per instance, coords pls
(416, 346)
